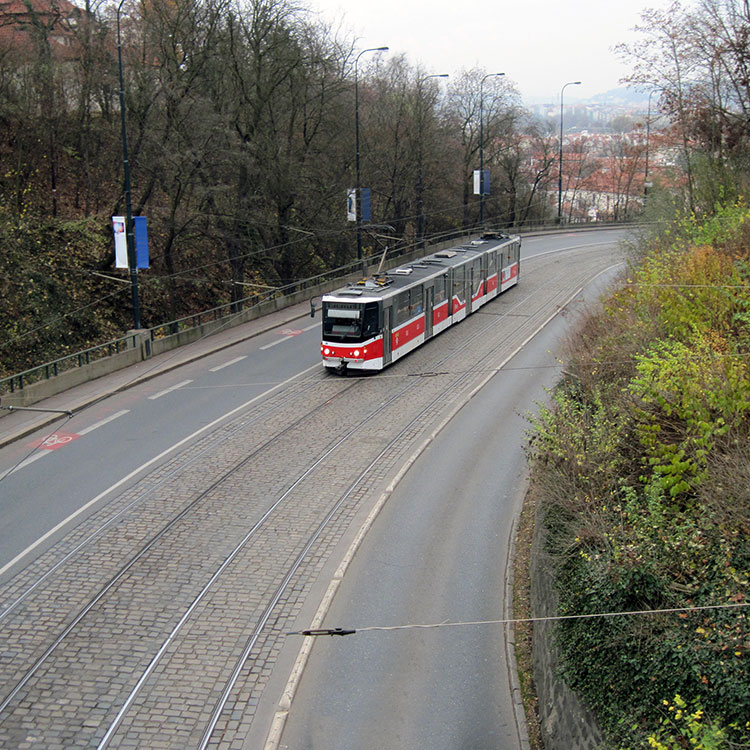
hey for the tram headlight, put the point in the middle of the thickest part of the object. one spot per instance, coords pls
(356, 352)
(326, 351)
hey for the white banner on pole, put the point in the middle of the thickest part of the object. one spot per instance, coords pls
(351, 205)
(121, 244)
(476, 182)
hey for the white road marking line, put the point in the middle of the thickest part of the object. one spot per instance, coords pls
(274, 343)
(169, 390)
(25, 462)
(145, 465)
(226, 364)
(102, 422)
(286, 338)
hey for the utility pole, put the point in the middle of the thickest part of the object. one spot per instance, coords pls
(129, 234)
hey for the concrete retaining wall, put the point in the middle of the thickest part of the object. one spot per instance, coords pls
(565, 722)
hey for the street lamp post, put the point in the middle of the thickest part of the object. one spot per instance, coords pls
(481, 144)
(559, 176)
(358, 186)
(129, 236)
(420, 185)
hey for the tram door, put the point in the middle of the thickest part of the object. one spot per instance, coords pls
(429, 299)
(387, 334)
(469, 300)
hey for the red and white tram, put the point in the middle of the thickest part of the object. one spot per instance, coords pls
(370, 324)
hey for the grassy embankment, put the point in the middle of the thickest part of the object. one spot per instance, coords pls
(643, 466)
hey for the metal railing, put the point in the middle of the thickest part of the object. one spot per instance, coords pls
(49, 370)
(56, 367)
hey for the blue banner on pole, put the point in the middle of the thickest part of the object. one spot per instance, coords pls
(141, 242)
(486, 182)
(365, 204)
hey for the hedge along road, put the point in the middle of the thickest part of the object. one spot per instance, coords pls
(540, 298)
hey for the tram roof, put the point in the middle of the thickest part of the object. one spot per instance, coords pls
(409, 274)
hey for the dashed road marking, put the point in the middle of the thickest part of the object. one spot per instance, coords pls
(226, 364)
(289, 333)
(102, 422)
(169, 390)
(25, 462)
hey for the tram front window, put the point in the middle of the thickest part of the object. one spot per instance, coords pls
(349, 322)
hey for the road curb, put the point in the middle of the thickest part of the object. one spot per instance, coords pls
(46, 420)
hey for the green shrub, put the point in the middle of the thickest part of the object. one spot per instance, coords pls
(642, 462)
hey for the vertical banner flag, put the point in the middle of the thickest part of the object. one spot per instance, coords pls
(141, 242)
(365, 204)
(121, 245)
(351, 205)
(482, 182)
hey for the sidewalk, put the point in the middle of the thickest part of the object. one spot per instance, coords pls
(15, 425)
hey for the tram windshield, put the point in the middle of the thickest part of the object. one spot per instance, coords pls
(350, 322)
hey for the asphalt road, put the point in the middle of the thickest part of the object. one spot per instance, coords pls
(437, 552)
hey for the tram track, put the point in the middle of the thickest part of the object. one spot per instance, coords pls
(221, 703)
(383, 406)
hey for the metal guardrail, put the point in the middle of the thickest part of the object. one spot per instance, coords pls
(48, 370)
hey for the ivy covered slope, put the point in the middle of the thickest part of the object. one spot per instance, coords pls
(644, 465)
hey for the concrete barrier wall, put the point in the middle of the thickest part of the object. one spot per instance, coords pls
(566, 724)
(42, 389)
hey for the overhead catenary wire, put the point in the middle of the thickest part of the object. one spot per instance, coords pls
(516, 621)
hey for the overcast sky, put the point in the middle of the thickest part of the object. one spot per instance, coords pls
(538, 44)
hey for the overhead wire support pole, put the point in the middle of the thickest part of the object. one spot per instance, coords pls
(129, 234)
(358, 186)
(481, 145)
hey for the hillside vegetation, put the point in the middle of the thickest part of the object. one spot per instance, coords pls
(643, 463)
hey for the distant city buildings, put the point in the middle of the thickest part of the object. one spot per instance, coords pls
(611, 158)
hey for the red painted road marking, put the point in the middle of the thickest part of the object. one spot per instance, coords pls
(289, 332)
(55, 440)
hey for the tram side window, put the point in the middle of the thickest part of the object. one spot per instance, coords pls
(491, 265)
(458, 282)
(402, 307)
(416, 301)
(441, 283)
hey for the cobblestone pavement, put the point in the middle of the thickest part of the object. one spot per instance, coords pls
(172, 601)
